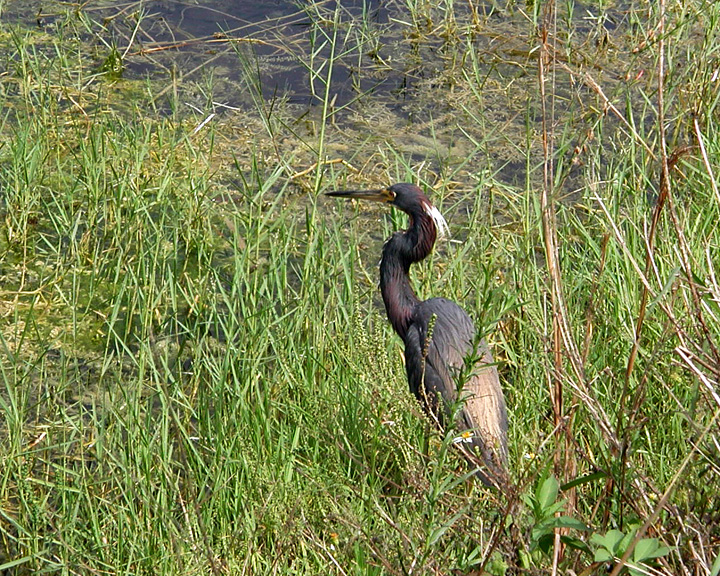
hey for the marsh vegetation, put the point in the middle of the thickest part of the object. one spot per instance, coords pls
(196, 375)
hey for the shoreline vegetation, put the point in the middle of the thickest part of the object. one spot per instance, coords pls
(196, 374)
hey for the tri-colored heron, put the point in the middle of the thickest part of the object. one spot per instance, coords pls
(447, 365)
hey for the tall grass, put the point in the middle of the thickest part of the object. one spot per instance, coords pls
(196, 374)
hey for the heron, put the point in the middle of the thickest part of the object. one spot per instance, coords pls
(449, 368)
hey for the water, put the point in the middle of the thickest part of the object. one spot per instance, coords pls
(455, 89)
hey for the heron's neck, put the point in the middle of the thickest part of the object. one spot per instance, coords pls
(401, 250)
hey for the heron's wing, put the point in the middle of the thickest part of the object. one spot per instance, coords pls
(439, 339)
(448, 364)
(430, 361)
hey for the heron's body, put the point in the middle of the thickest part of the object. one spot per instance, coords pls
(447, 365)
(456, 361)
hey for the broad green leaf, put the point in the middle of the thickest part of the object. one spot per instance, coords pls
(545, 543)
(569, 522)
(649, 548)
(547, 492)
(610, 541)
(645, 549)
(602, 555)
(550, 511)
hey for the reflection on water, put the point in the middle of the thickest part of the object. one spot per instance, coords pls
(442, 86)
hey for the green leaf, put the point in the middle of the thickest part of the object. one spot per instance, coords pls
(625, 542)
(587, 479)
(549, 524)
(610, 541)
(539, 532)
(545, 542)
(649, 548)
(550, 511)
(547, 493)
(543, 534)
(576, 543)
(645, 549)
(529, 500)
(569, 522)
(602, 555)
(525, 559)
(15, 562)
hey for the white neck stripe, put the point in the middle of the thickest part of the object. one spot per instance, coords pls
(440, 223)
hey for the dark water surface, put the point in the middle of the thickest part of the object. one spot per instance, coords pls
(441, 85)
(195, 39)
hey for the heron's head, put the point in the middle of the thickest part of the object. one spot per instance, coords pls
(405, 196)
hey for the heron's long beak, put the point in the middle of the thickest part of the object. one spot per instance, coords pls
(382, 195)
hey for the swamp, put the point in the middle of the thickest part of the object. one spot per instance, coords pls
(196, 372)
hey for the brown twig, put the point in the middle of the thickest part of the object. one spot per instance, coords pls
(562, 338)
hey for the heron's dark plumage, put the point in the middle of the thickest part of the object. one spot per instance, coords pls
(443, 355)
